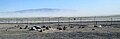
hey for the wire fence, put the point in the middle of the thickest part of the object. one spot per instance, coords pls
(82, 20)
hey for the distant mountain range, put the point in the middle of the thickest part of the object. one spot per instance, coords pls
(38, 10)
(34, 10)
(43, 12)
(48, 12)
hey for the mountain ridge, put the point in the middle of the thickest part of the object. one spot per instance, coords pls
(40, 10)
(35, 10)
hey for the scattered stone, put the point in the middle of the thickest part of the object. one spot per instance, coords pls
(6, 29)
(64, 28)
(93, 29)
(83, 27)
(26, 27)
(57, 27)
(16, 25)
(37, 27)
(31, 28)
(60, 28)
(40, 31)
(95, 26)
(43, 26)
(47, 28)
(20, 28)
(79, 27)
(71, 27)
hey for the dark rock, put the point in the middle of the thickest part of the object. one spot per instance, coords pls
(20, 28)
(43, 26)
(71, 27)
(37, 27)
(41, 31)
(26, 27)
(64, 28)
(47, 28)
(60, 28)
(93, 29)
(83, 27)
(95, 26)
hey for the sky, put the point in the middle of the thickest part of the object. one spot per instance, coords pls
(84, 7)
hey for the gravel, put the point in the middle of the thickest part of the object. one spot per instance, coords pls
(65, 35)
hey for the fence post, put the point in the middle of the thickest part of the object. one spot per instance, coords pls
(94, 20)
(69, 21)
(58, 22)
(16, 20)
(111, 20)
(49, 20)
(27, 21)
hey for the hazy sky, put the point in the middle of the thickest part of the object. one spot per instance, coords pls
(85, 7)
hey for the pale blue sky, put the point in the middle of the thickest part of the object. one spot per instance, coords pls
(91, 7)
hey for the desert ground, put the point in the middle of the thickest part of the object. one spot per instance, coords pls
(13, 31)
